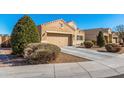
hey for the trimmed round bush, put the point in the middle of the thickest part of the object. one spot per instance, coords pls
(88, 44)
(40, 56)
(40, 53)
(113, 47)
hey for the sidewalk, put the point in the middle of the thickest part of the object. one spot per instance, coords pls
(90, 69)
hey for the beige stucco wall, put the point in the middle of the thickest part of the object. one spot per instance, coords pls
(56, 26)
(92, 34)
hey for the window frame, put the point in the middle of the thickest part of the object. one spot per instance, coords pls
(79, 37)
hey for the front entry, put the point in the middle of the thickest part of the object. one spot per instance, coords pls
(115, 40)
(106, 39)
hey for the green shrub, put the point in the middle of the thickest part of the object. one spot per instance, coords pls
(82, 44)
(122, 44)
(40, 57)
(113, 48)
(100, 39)
(88, 44)
(94, 42)
(39, 53)
(24, 32)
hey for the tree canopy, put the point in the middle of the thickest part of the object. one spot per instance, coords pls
(100, 39)
(24, 32)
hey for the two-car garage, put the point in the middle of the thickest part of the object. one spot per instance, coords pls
(59, 39)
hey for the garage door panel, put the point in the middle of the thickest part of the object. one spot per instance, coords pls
(58, 39)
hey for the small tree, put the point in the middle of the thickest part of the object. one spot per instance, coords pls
(24, 32)
(100, 39)
(120, 30)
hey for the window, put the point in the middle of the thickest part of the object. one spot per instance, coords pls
(61, 25)
(79, 37)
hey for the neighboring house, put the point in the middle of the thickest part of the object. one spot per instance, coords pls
(4, 40)
(61, 33)
(119, 39)
(115, 37)
(110, 37)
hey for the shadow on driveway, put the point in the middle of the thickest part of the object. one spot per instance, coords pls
(118, 76)
(12, 60)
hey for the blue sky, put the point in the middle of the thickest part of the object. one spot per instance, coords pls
(83, 21)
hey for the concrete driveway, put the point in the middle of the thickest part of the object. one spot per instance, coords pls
(87, 53)
(103, 65)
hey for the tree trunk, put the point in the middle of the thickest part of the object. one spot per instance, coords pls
(123, 41)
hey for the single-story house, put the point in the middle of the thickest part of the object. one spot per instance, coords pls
(61, 33)
(110, 37)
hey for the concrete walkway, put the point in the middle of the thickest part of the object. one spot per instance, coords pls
(104, 66)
